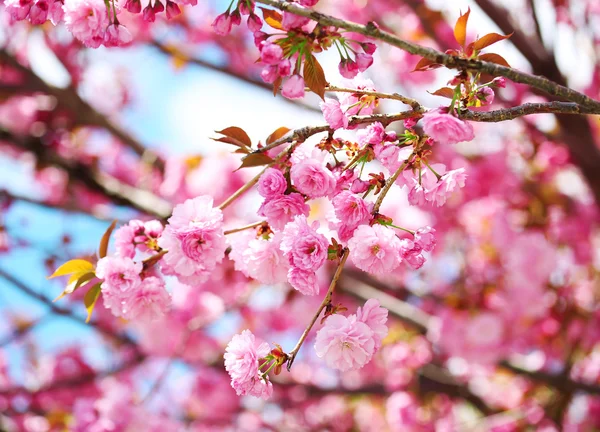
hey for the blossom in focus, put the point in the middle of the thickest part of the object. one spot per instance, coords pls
(375, 249)
(446, 129)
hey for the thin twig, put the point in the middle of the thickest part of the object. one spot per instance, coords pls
(416, 106)
(244, 228)
(292, 354)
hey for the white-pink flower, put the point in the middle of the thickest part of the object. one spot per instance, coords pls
(345, 343)
(373, 315)
(265, 261)
(313, 178)
(446, 129)
(303, 245)
(87, 20)
(332, 112)
(194, 240)
(242, 357)
(375, 249)
(148, 301)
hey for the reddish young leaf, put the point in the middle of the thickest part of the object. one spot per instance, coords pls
(488, 39)
(314, 77)
(255, 159)
(233, 141)
(103, 248)
(237, 134)
(446, 92)
(278, 133)
(494, 58)
(460, 29)
(273, 18)
(425, 65)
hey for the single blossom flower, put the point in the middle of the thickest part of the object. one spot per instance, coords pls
(312, 178)
(293, 88)
(345, 343)
(303, 245)
(332, 112)
(446, 129)
(87, 20)
(279, 210)
(148, 301)
(304, 281)
(375, 249)
(272, 183)
(373, 315)
(425, 238)
(242, 357)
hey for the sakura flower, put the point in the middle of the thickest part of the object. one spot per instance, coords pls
(271, 53)
(411, 253)
(194, 240)
(363, 61)
(87, 20)
(272, 183)
(372, 134)
(348, 68)
(352, 211)
(375, 249)
(149, 301)
(304, 281)
(332, 112)
(280, 210)
(425, 239)
(373, 315)
(265, 261)
(118, 272)
(446, 129)
(304, 247)
(222, 24)
(242, 357)
(293, 88)
(345, 343)
(312, 178)
(18, 9)
(448, 183)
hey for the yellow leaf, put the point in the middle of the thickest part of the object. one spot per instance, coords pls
(76, 280)
(73, 266)
(90, 299)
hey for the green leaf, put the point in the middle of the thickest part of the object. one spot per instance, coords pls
(103, 248)
(73, 266)
(314, 77)
(489, 39)
(90, 299)
(460, 29)
(254, 160)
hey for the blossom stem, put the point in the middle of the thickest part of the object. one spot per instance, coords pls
(388, 186)
(243, 228)
(432, 170)
(324, 303)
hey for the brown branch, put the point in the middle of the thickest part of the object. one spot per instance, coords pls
(416, 106)
(523, 110)
(83, 112)
(119, 193)
(452, 62)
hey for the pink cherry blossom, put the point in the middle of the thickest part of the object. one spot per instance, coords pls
(271, 53)
(372, 134)
(312, 178)
(363, 61)
(242, 357)
(18, 9)
(222, 24)
(425, 238)
(348, 68)
(373, 315)
(293, 87)
(87, 20)
(261, 259)
(333, 114)
(304, 247)
(304, 281)
(446, 129)
(272, 183)
(375, 249)
(345, 343)
(148, 301)
(280, 210)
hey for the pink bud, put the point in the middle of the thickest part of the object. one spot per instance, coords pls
(293, 87)
(259, 38)
(285, 68)
(391, 136)
(222, 24)
(172, 9)
(500, 82)
(484, 94)
(254, 23)
(368, 47)
(158, 7)
(39, 12)
(269, 74)
(410, 123)
(271, 53)
(236, 18)
(308, 3)
(244, 9)
(348, 68)
(359, 186)
(363, 61)
(117, 35)
(133, 6)
(148, 14)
